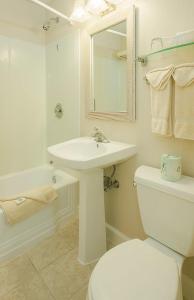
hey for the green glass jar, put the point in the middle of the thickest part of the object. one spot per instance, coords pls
(171, 167)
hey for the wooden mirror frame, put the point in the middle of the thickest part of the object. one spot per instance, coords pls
(110, 20)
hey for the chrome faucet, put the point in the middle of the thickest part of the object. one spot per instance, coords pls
(99, 136)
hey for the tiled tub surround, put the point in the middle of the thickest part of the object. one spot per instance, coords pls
(22, 94)
(49, 271)
(37, 71)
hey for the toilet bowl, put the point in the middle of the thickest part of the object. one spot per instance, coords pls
(151, 269)
(135, 270)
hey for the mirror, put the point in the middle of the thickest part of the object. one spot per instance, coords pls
(109, 69)
(112, 67)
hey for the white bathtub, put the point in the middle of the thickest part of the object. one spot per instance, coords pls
(15, 238)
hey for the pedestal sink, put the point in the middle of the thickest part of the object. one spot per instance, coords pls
(89, 157)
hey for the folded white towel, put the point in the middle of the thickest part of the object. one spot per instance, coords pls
(19, 207)
(184, 74)
(184, 101)
(161, 99)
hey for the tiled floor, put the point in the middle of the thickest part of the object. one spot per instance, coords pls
(49, 271)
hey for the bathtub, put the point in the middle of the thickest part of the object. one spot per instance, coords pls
(14, 239)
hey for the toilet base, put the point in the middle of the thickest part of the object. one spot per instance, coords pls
(169, 252)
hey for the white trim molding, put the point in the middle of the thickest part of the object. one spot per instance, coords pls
(114, 236)
(30, 237)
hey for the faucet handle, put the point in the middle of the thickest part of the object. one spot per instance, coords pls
(99, 136)
(96, 131)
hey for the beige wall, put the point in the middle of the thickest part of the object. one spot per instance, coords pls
(154, 18)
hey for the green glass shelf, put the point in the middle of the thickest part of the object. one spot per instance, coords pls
(143, 59)
(170, 48)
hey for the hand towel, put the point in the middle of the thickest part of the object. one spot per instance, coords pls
(184, 101)
(161, 99)
(22, 206)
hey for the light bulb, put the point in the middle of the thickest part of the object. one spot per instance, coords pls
(118, 2)
(115, 2)
(97, 7)
(79, 13)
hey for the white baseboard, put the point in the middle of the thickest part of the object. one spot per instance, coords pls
(114, 236)
(188, 287)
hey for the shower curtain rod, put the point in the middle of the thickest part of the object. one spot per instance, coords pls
(47, 7)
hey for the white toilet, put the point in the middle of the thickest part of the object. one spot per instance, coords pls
(151, 269)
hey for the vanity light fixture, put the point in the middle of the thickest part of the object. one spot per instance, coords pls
(115, 2)
(82, 13)
(97, 7)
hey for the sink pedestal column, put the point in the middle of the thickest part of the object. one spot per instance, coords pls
(92, 230)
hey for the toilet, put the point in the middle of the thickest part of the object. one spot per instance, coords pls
(151, 269)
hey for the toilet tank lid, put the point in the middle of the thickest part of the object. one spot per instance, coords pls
(151, 177)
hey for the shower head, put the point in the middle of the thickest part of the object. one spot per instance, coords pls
(46, 26)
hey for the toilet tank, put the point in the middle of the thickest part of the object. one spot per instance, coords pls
(167, 209)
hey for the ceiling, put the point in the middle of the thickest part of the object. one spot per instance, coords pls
(27, 14)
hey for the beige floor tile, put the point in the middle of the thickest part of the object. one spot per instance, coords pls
(15, 294)
(34, 290)
(109, 245)
(92, 266)
(81, 294)
(15, 272)
(71, 232)
(55, 246)
(72, 222)
(66, 276)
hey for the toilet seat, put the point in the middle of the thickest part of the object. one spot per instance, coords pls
(135, 270)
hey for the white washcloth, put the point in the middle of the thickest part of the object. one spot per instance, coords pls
(161, 99)
(184, 101)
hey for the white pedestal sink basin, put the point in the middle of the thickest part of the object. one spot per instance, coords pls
(89, 157)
